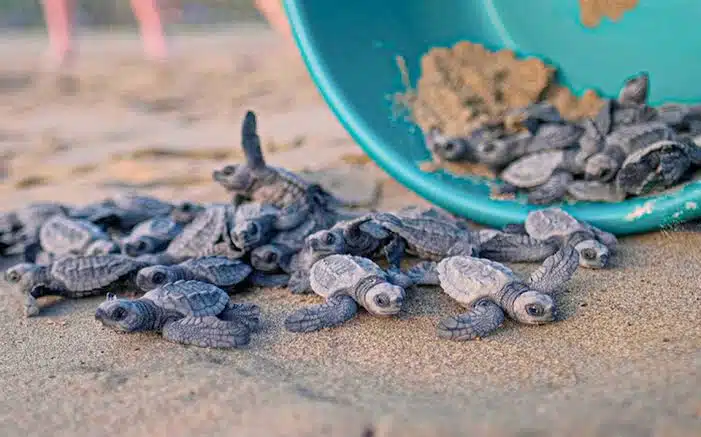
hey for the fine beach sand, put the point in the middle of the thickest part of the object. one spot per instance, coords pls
(624, 361)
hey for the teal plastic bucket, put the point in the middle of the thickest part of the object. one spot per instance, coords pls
(350, 49)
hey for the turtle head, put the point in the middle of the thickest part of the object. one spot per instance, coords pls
(250, 233)
(592, 254)
(122, 315)
(534, 308)
(139, 246)
(601, 167)
(327, 242)
(384, 299)
(26, 276)
(269, 257)
(155, 276)
(494, 152)
(237, 178)
(448, 148)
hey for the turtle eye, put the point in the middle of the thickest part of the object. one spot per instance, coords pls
(270, 257)
(228, 170)
(329, 238)
(13, 277)
(140, 245)
(381, 300)
(253, 228)
(488, 147)
(158, 278)
(534, 310)
(119, 313)
(589, 254)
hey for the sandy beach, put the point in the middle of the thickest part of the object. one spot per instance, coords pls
(624, 360)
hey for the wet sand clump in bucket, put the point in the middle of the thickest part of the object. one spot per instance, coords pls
(592, 11)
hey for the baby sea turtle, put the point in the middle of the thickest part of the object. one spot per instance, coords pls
(215, 270)
(657, 166)
(275, 258)
(635, 90)
(449, 148)
(426, 238)
(347, 281)
(593, 245)
(621, 143)
(206, 235)
(150, 236)
(123, 211)
(489, 289)
(256, 181)
(257, 223)
(595, 191)
(20, 228)
(73, 277)
(61, 235)
(546, 173)
(361, 236)
(186, 312)
(507, 247)
(102, 247)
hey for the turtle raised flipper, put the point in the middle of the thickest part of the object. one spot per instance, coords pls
(483, 319)
(31, 306)
(606, 238)
(635, 90)
(246, 313)
(250, 141)
(424, 273)
(208, 331)
(394, 251)
(551, 191)
(555, 271)
(514, 247)
(335, 311)
(397, 277)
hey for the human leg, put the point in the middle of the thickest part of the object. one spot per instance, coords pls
(148, 14)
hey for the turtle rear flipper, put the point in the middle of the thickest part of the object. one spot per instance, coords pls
(208, 331)
(333, 312)
(555, 271)
(483, 319)
(246, 313)
(513, 247)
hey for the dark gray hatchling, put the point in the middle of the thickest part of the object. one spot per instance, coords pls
(73, 277)
(657, 166)
(595, 191)
(206, 235)
(123, 211)
(20, 229)
(425, 237)
(623, 141)
(102, 247)
(187, 312)
(449, 148)
(593, 245)
(151, 236)
(256, 181)
(361, 236)
(61, 235)
(256, 223)
(489, 289)
(346, 282)
(216, 270)
(275, 258)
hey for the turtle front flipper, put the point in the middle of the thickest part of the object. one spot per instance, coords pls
(424, 273)
(555, 271)
(246, 313)
(208, 331)
(506, 247)
(299, 282)
(333, 312)
(31, 306)
(483, 319)
(394, 251)
(250, 141)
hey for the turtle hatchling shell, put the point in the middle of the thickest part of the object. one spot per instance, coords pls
(201, 233)
(61, 235)
(190, 298)
(641, 172)
(533, 170)
(467, 279)
(551, 222)
(218, 270)
(84, 273)
(336, 273)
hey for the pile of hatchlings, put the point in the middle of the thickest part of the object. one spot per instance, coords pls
(279, 230)
(628, 149)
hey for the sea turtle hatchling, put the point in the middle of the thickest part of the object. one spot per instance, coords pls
(150, 236)
(546, 174)
(657, 166)
(255, 223)
(186, 312)
(73, 277)
(593, 245)
(346, 282)
(216, 270)
(489, 289)
(255, 180)
(61, 235)
(207, 234)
